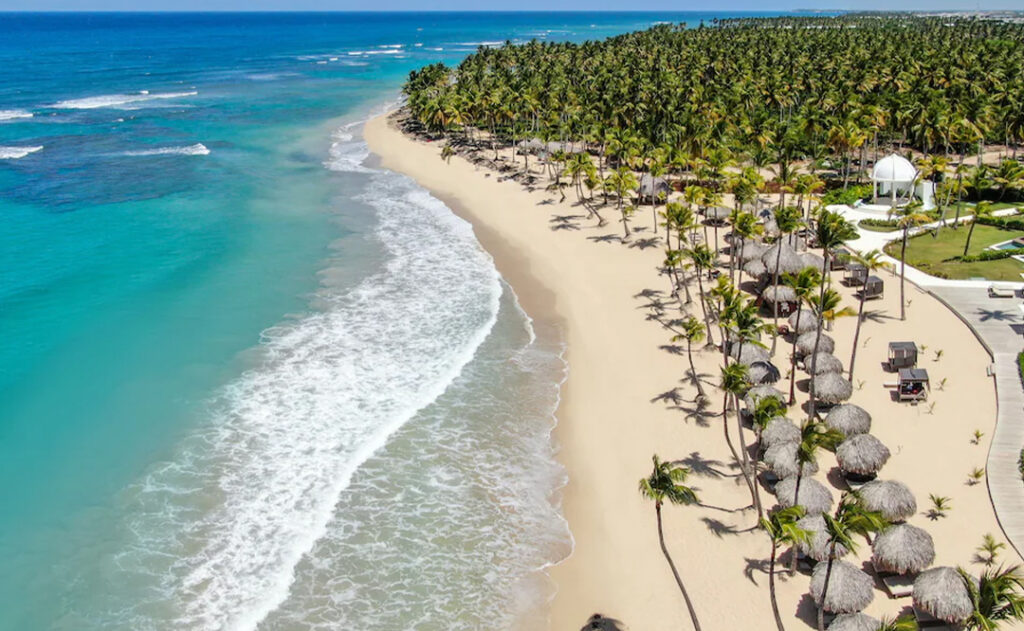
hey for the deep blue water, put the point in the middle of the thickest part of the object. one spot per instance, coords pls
(201, 400)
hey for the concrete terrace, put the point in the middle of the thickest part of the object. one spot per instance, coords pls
(999, 326)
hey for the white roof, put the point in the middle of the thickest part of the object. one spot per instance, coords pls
(893, 168)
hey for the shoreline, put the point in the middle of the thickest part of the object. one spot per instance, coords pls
(615, 413)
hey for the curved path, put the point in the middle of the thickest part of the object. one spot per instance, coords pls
(998, 325)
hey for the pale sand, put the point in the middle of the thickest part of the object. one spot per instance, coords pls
(612, 420)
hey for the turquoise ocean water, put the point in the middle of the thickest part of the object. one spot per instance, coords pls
(245, 380)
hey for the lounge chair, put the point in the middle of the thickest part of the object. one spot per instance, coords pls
(1001, 291)
(897, 585)
(927, 621)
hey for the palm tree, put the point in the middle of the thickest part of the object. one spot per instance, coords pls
(666, 484)
(908, 218)
(803, 284)
(621, 182)
(850, 519)
(692, 331)
(814, 436)
(788, 219)
(872, 262)
(901, 623)
(702, 259)
(996, 598)
(826, 306)
(734, 385)
(782, 529)
(982, 210)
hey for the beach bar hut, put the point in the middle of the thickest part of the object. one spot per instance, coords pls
(902, 355)
(913, 384)
(854, 275)
(874, 287)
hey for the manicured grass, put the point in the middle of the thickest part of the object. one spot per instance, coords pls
(929, 253)
(870, 228)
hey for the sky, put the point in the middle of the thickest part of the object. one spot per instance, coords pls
(457, 5)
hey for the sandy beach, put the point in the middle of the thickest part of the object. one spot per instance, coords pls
(627, 398)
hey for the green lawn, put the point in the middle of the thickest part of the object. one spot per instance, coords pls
(864, 226)
(929, 253)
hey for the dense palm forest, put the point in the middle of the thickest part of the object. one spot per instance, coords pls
(832, 91)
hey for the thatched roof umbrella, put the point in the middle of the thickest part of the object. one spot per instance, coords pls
(807, 322)
(862, 454)
(822, 363)
(652, 186)
(748, 353)
(717, 213)
(831, 388)
(779, 293)
(814, 496)
(780, 430)
(533, 145)
(805, 343)
(781, 460)
(771, 227)
(810, 259)
(755, 268)
(848, 418)
(854, 622)
(788, 262)
(849, 589)
(903, 549)
(760, 373)
(817, 547)
(568, 146)
(890, 497)
(942, 592)
(748, 249)
(760, 392)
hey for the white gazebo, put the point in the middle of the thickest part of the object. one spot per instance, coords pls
(893, 177)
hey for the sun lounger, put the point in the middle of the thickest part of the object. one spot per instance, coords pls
(1001, 291)
(897, 585)
(926, 621)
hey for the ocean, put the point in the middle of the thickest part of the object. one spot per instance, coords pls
(248, 381)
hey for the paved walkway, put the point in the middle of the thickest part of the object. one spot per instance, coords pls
(998, 324)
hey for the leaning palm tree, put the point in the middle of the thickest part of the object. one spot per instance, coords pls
(783, 530)
(666, 484)
(734, 385)
(996, 598)
(702, 259)
(900, 623)
(803, 284)
(788, 219)
(982, 210)
(871, 262)
(850, 519)
(692, 331)
(622, 182)
(826, 305)
(908, 218)
(814, 436)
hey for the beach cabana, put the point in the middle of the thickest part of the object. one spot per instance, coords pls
(806, 323)
(839, 258)
(874, 287)
(849, 419)
(893, 177)
(854, 275)
(652, 187)
(892, 498)
(941, 594)
(716, 215)
(817, 546)
(860, 457)
(849, 589)
(781, 461)
(822, 363)
(789, 262)
(902, 355)
(830, 388)
(854, 622)
(805, 344)
(814, 496)
(763, 373)
(779, 430)
(913, 384)
(757, 393)
(781, 295)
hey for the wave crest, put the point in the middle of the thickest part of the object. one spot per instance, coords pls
(198, 149)
(116, 100)
(17, 153)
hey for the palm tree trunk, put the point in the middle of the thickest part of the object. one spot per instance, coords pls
(824, 589)
(970, 233)
(771, 587)
(745, 463)
(693, 370)
(792, 357)
(675, 573)
(903, 273)
(775, 303)
(856, 333)
(817, 337)
(704, 306)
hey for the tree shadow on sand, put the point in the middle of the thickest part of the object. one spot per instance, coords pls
(599, 622)
(755, 566)
(645, 243)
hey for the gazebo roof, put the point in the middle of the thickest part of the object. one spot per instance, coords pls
(902, 346)
(893, 168)
(913, 374)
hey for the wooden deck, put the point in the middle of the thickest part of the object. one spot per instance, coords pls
(997, 324)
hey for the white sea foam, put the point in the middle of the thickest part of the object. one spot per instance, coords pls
(117, 100)
(16, 153)
(198, 149)
(488, 44)
(388, 51)
(223, 526)
(10, 115)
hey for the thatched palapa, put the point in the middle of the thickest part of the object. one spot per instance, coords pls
(806, 323)
(779, 293)
(810, 259)
(788, 260)
(890, 497)
(849, 589)
(748, 250)
(760, 392)
(755, 268)
(717, 214)
(822, 363)
(653, 186)
(862, 454)
(942, 592)
(805, 344)
(903, 549)
(854, 622)
(760, 373)
(748, 353)
(818, 546)
(780, 430)
(814, 496)
(849, 419)
(831, 388)
(781, 460)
